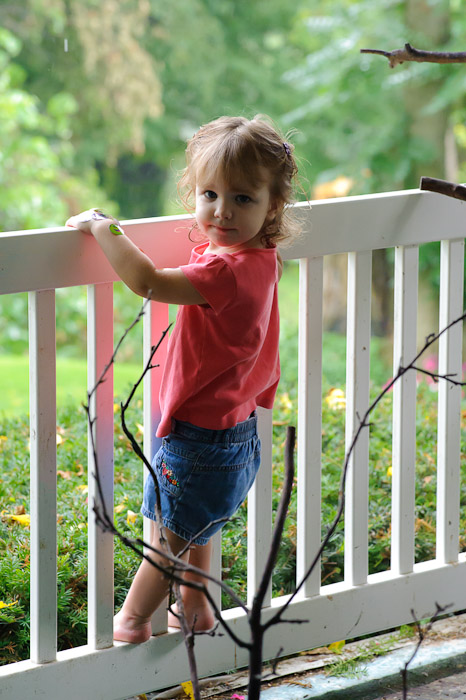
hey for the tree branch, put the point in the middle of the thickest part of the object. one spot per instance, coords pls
(282, 511)
(422, 633)
(175, 566)
(450, 189)
(409, 53)
(430, 340)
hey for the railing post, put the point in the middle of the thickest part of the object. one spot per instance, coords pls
(100, 543)
(404, 410)
(43, 427)
(309, 422)
(357, 401)
(449, 401)
(260, 510)
(154, 323)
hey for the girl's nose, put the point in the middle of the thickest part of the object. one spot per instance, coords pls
(222, 210)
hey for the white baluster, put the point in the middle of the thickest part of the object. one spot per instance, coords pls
(43, 427)
(449, 406)
(309, 422)
(260, 509)
(154, 323)
(404, 410)
(100, 554)
(357, 402)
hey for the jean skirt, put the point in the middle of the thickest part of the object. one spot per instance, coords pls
(203, 476)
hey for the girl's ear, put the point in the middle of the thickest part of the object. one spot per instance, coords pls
(273, 210)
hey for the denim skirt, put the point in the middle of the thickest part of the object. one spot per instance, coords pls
(203, 476)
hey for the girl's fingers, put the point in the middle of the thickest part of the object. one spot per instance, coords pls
(83, 220)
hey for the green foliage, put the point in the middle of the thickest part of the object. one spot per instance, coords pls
(355, 665)
(71, 532)
(72, 511)
(35, 134)
(71, 304)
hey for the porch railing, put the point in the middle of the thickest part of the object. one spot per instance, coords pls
(43, 260)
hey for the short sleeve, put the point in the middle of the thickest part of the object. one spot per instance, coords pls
(214, 279)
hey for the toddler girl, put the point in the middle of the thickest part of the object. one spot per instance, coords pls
(223, 353)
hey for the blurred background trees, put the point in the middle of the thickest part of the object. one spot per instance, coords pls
(111, 90)
(97, 100)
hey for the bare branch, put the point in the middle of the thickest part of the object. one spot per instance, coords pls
(279, 521)
(409, 53)
(450, 189)
(435, 377)
(422, 634)
(430, 340)
(117, 347)
(176, 567)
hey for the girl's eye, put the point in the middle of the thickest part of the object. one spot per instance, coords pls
(210, 194)
(243, 198)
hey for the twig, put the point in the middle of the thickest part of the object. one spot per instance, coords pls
(279, 521)
(422, 634)
(450, 189)
(177, 566)
(257, 628)
(138, 545)
(409, 53)
(430, 340)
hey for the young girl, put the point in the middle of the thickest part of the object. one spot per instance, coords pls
(223, 353)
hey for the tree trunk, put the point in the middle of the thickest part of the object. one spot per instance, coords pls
(255, 664)
(429, 23)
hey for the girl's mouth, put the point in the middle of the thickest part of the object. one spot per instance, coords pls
(223, 229)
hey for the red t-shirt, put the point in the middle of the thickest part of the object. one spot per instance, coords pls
(222, 359)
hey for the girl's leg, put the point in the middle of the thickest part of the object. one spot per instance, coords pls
(149, 588)
(197, 609)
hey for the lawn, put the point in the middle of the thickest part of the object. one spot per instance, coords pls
(71, 382)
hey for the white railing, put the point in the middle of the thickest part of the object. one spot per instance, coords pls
(42, 261)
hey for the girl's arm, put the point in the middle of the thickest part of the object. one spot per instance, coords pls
(135, 268)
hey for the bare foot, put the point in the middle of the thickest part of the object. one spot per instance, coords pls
(130, 629)
(203, 616)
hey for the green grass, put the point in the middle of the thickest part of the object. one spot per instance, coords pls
(71, 382)
(72, 511)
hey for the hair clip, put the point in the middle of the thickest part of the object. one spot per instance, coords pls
(287, 148)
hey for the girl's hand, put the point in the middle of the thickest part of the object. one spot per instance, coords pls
(84, 221)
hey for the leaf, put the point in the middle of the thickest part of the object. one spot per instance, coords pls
(7, 605)
(188, 689)
(24, 519)
(131, 517)
(336, 647)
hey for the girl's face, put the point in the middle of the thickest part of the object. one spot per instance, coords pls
(232, 217)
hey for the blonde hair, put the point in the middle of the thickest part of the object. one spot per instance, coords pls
(241, 150)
